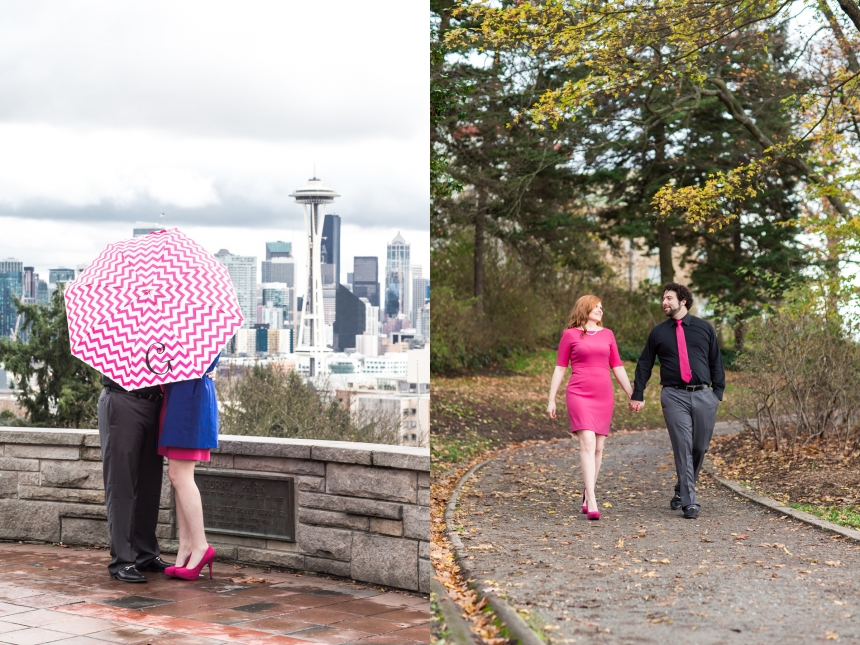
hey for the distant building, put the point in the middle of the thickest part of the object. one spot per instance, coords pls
(30, 283)
(279, 250)
(330, 251)
(371, 317)
(280, 295)
(350, 319)
(244, 342)
(140, 232)
(280, 269)
(419, 287)
(261, 337)
(280, 341)
(330, 303)
(43, 294)
(397, 277)
(55, 276)
(243, 275)
(367, 344)
(365, 278)
(272, 316)
(423, 322)
(11, 264)
(11, 286)
(328, 273)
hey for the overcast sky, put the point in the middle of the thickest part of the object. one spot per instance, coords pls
(211, 113)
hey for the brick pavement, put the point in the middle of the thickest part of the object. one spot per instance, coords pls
(64, 596)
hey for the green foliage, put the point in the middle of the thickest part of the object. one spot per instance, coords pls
(800, 370)
(9, 419)
(66, 389)
(524, 307)
(267, 401)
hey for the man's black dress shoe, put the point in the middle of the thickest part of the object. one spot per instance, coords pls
(129, 574)
(156, 564)
(691, 512)
(675, 504)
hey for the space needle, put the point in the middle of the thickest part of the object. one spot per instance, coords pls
(314, 198)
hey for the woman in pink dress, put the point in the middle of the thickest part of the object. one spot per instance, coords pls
(591, 352)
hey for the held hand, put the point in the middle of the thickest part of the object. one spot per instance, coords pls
(550, 409)
(635, 406)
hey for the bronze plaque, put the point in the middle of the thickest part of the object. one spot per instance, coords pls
(239, 502)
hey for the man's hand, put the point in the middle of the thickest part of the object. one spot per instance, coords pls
(635, 406)
(550, 408)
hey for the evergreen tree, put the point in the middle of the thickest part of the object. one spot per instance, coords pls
(66, 390)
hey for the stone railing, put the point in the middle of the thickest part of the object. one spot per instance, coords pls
(362, 510)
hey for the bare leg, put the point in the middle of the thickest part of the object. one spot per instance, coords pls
(181, 472)
(600, 439)
(587, 461)
(184, 551)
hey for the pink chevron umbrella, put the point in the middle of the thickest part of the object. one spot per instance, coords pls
(151, 310)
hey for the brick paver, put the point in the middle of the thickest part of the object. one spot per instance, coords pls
(64, 596)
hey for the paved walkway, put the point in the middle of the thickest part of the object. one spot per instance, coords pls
(643, 574)
(64, 596)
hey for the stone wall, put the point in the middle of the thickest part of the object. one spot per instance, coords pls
(362, 511)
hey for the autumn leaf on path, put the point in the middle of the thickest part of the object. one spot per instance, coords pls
(620, 544)
(831, 636)
(249, 580)
(832, 563)
(741, 537)
(650, 574)
(704, 539)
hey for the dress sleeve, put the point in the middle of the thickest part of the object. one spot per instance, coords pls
(563, 359)
(614, 356)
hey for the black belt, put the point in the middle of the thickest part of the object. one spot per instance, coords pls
(155, 398)
(688, 388)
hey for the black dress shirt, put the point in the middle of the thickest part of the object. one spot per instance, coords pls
(706, 364)
(144, 391)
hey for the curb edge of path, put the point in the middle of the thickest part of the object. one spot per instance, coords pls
(772, 504)
(452, 614)
(514, 623)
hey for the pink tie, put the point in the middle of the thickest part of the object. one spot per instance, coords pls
(686, 374)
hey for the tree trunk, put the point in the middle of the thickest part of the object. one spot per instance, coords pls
(740, 333)
(664, 241)
(664, 231)
(479, 254)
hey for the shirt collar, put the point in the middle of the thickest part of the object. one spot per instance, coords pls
(685, 320)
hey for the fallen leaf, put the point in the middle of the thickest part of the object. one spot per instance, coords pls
(832, 563)
(650, 574)
(831, 636)
(249, 580)
(607, 505)
(704, 539)
(741, 537)
(620, 544)
(665, 561)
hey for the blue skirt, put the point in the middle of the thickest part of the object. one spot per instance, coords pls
(190, 414)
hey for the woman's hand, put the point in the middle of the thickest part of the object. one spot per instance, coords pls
(550, 409)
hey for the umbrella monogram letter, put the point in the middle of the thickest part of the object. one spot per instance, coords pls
(159, 349)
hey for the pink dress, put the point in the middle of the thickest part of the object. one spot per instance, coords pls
(191, 454)
(590, 397)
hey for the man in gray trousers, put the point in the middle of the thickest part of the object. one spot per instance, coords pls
(128, 431)
(693, 380)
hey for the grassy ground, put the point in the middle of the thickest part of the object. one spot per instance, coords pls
(843, 515)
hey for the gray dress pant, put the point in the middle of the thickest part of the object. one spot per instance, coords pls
(128, 430)
(690, 419)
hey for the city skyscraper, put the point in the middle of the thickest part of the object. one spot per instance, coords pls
(243, 275)
(279, 250)
(397, 277)
(350, 319)
(365, 278)
(60, 275)
(280, 269)
(11, 285)
(280, 295)
(330, 251)
(311, 333)
(419, 286)
(30, 284)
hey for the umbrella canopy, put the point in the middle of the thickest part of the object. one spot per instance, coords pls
(150, 310)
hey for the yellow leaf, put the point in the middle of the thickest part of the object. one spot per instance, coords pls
(831, 636)
(650, 574)
(620, 544)
(832, 563)
(665, 560)
(607, 505)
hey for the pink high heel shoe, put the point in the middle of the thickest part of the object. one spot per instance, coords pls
(593, 515)
(584, 504)
(170, 571)
(193, 574)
